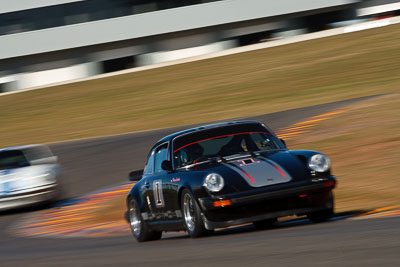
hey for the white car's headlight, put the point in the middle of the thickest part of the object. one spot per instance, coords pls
(214, 182)
(319, 163)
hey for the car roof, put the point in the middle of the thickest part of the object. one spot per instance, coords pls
(21, 147)
(205, 127)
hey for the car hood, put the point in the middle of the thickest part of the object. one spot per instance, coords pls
(259, 171)
(263, 169)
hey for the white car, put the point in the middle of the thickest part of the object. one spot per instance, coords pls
(28, 175)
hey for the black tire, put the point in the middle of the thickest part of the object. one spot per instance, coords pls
(57, 199)
(192, 216)
(138, 227)
(265, 224)
(322, 215)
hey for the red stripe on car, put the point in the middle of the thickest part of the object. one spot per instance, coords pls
(248, 175)
(278, 169)
(216, 137)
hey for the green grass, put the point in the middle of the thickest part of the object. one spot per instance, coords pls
(257, 82)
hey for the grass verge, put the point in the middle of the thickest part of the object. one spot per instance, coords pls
(364, 146)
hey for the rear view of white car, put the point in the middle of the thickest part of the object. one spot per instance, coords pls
(28, 175)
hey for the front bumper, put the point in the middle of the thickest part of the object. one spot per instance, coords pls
(28, 197)
(284, 200)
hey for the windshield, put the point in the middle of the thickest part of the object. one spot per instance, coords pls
(223, 145)
(12, 159)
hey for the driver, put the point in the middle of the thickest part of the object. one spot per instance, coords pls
(236, 145)
(194, 152)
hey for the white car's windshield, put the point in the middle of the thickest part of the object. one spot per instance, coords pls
(12, 159)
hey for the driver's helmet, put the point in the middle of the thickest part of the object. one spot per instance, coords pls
(194, 152)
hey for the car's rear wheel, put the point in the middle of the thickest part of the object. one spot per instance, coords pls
(322, 215)
(192, 215)
(265, 224)
(139, 229)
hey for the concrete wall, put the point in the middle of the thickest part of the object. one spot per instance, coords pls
(164, 56)
(52, 55)
(40, 78)
(153, 23)
(18, 5)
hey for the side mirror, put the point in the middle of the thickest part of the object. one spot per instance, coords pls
(135, 175)
(166, 165)
(283, 142)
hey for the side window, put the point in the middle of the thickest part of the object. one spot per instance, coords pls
(150, 164)
(10, 159)
(38, 152)
(161, 154)
(264, 142)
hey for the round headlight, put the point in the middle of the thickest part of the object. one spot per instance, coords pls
(214, 182)
(319, 163)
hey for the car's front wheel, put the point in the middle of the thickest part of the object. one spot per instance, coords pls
(192, 215)
(139, 229)
(322, 215)
(265, 224)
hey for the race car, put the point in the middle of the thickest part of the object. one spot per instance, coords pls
(29, 175)
(226, 174)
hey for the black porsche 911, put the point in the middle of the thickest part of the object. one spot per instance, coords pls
(227, 174)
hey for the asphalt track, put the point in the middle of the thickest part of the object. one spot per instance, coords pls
(93, 164)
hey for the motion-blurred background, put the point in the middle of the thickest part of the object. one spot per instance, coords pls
(50, 41)
(106, 67)
(323, 74)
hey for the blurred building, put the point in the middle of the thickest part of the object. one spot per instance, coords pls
(49, 41)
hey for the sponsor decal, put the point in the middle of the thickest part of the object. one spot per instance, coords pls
(176, 179)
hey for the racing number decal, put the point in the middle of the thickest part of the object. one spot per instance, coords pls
(158, 193)
(159, 202)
